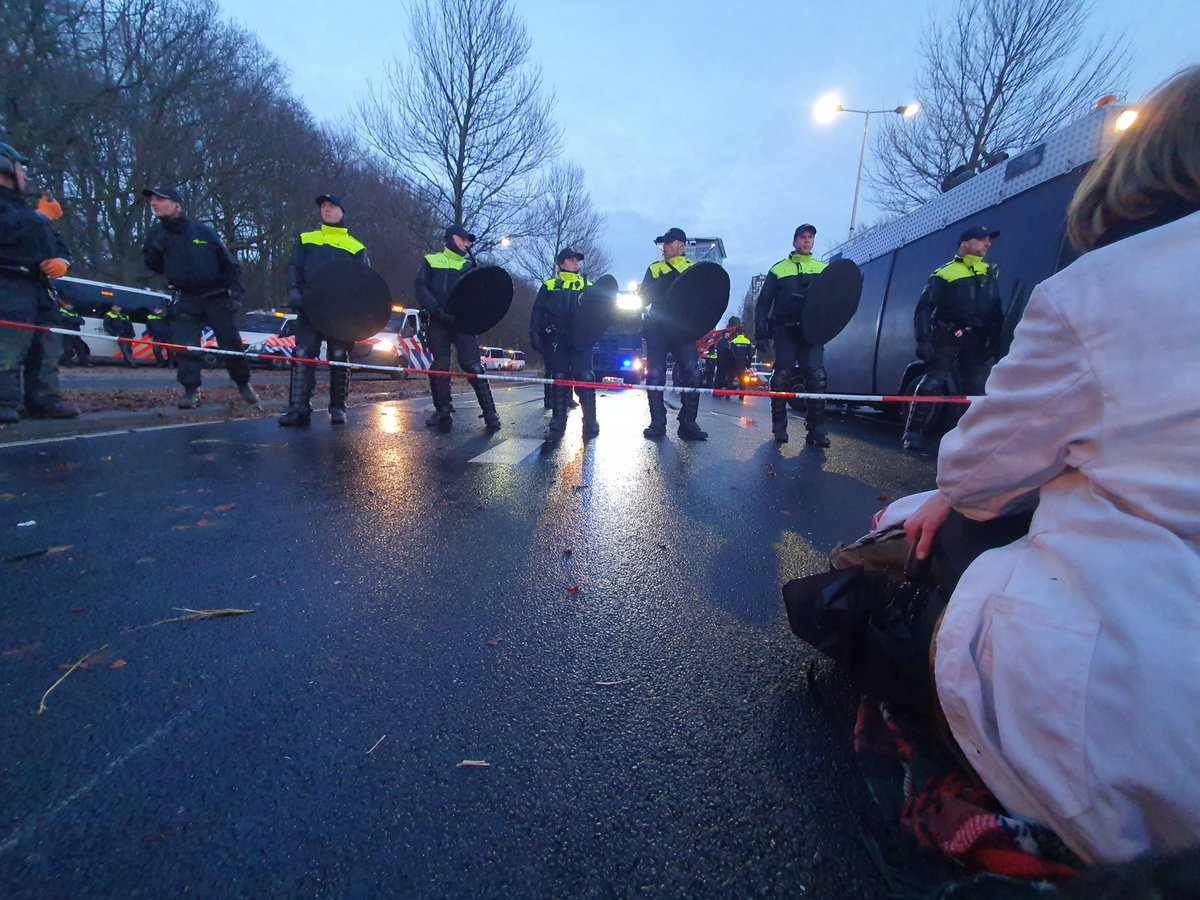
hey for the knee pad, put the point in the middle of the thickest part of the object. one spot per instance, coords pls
(782, 380)
(585, 376)
(339, 355)
(474, 368)
(815, 379)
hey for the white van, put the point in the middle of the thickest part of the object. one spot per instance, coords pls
(514, 360)
(493, 358)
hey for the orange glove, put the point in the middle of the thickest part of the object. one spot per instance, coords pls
(54, 268)
(51, 209)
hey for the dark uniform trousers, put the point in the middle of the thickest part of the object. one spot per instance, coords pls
(440, 339)
(800, 366)
(308, 346)
(34, 353)
(192, 313)
(688, 373)
(962, 354)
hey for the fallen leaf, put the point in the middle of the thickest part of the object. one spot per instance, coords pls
(573, 589)
(180, 527)
(786, 512)
(60, 549)
(78, 610)
(19, 651)
(224, 507)
(8, 496)
(770, 474)
(882, 498)
(567, 551)
(495, 642)
(473, 764)
(178, 509)
(205, 523)
(116, 664)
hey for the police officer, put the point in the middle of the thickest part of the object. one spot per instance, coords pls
(777, 316)
(551, 333)
(205, 274)
(710, 364)
(957, 322)
(656, 282)
(436, 278)
(312, 251)
(75, 349)
(158, 329)
(30, 253)
(741, 348)
(119, 325)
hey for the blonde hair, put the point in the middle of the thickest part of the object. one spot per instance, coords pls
(1155, 164)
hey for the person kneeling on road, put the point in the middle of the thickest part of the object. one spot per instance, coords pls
(312, 251)
(205, 274)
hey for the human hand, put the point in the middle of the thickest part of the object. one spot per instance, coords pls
(925, 351)
(54, 268)
(51, 209)
(922, 525)
(295, 299)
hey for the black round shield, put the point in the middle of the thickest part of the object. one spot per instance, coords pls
(831, 302)
(347, 301)
(694, 304)
(597, 309)
(480, 299)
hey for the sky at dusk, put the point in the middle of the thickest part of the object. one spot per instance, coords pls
(698, 114)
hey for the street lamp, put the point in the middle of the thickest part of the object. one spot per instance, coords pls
(827, 108)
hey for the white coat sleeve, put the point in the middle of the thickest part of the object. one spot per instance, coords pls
(1041, 415)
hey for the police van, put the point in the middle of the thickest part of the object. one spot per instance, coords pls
(1024, 198)
(92, 299)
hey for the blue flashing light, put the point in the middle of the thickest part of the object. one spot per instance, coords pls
(626, 363)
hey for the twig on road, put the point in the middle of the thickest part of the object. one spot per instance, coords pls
(83, 659)
(193, 615)
(376, 744)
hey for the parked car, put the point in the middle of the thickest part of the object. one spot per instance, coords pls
(514, 361)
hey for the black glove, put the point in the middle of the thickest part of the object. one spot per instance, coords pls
(925, 351)
(295, 298)
(535, 342)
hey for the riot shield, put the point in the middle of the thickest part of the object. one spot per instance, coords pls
(597, 309)
(831, 302)
(480, 299)
(693, 305)
(347, 301)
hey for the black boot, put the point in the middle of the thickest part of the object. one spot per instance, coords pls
(558, 407)
(779, 418)
(658, 415)
(689, 406)
(587, 401)
(439, 389)
(548, 394)
(339, 390)
(483, 393)
(300, 387)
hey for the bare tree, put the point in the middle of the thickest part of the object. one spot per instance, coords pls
(999, 75)
(465, 120)
(561, 214)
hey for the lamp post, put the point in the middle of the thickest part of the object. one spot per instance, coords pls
(828, 107)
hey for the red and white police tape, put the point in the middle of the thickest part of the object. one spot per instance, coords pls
(516, 379)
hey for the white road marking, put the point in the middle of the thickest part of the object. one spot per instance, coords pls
(509, 453)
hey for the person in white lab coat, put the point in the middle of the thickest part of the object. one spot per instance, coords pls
(1067, 663)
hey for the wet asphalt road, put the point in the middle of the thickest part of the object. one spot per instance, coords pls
(644, 709)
